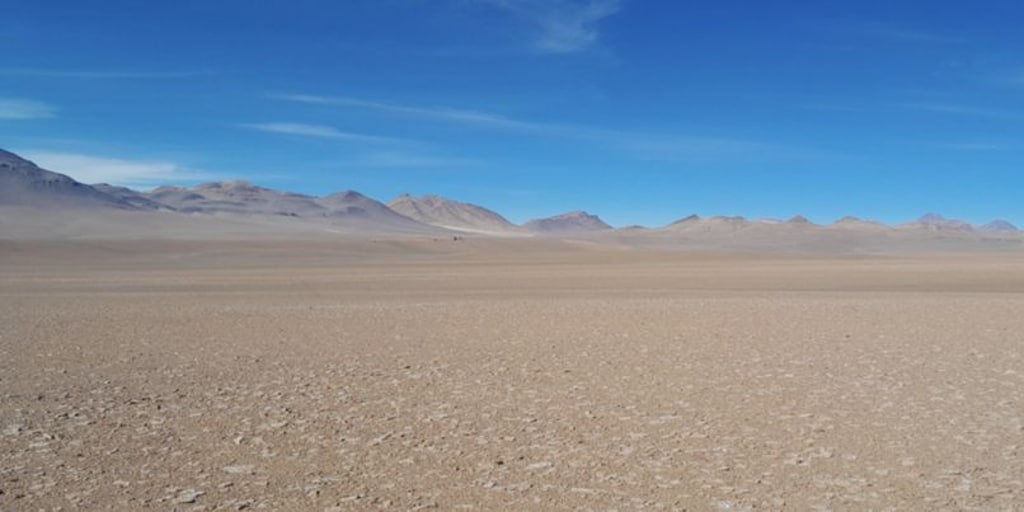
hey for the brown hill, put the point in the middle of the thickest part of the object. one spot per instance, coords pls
(352, 205)
(236, 197)
(132, 197)
(936, 222)
(999, 226)
(571, 222)
(850, 223)
(446, 213)
(718, 225)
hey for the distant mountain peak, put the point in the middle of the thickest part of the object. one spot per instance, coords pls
(693, 217)
(574, 221)
(136, 199)
(232, 186)
(345, 194)
(999, 226)
(24, 183)
(936, 222)
(168, 188)
(931, 218)
(8, 159)
(575, 214)
(798, 219)
(850, 222)
(447, 213)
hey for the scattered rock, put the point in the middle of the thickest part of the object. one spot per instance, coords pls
(188, 496)
(239, 469)
(14, 429)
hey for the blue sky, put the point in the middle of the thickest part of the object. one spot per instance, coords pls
(641, 111)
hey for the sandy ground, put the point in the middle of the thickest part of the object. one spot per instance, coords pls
(425, 374)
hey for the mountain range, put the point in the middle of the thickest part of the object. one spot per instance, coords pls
(24, 185)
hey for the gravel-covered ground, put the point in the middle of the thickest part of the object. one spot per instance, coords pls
(588, 380)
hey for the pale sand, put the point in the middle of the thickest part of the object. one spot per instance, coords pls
(505, 375)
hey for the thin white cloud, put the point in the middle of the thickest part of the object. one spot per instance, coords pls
(964, 110)
(317, 131)
(115, 171)
(977, 146)
(98, 74)
(409, 161)
(643, 145)
(562, 26)
(827, 107)
(439, 113)
(909, 34)
(1014, 78)
(884, 32)
(694, 147)
(15, 108)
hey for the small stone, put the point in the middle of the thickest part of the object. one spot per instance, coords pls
(188, 496)
(238, 469)
(14, 429)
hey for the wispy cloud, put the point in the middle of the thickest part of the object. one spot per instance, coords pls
(438, 113)
(977, 146)
(964, 110)
(15, 108)
(1013, 77)
(826, 107)
(562, 26)
(403, 160)
(655, 147)
(317, 131)
(116, 171)
(98, 74)
(909, 34)
(643, 145)
(444, 114)
(893, 32)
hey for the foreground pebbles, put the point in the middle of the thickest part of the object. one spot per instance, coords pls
(325, 395)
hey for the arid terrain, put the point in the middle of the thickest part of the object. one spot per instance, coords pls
(511, 255)
(505, 374)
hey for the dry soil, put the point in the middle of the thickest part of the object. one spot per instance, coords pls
(506, 375)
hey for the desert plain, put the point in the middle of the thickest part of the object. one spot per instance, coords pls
(505, 374)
